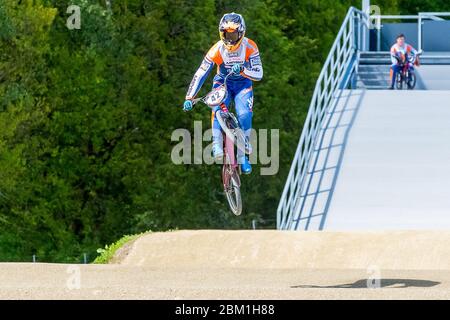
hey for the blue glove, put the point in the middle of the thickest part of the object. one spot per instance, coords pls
(187, 106)
(236, 68)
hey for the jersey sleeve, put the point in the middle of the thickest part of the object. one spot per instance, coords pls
(253, 68)
(393, 54)
(412, 50)
(203, 71)
(199, 78)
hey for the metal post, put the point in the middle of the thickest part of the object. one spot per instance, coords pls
(279, 218)
(379, 33)
(366, 9)
(353, 33)
(85, 258)
(361, 45)
(365, 38)
(254, 224)
(419, 33)
(34, 258)
(365, 5)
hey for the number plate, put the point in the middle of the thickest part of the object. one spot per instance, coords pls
(216, 97)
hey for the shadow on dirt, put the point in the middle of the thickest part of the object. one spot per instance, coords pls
(383, 283)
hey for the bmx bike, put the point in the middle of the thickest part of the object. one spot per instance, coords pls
(233, 140)
(407, 74)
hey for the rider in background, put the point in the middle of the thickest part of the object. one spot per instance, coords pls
(238, 54)
(403, 51)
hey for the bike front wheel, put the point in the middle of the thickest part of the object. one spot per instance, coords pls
(399, 81)
(232, 188)
(411, 80)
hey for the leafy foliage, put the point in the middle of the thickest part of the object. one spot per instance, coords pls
(109, 251)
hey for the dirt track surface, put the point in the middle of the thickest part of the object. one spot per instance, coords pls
(250, 265)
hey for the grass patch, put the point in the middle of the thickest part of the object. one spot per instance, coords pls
(107, 253)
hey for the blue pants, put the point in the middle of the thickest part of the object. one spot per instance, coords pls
(395, 70)
(241, 92)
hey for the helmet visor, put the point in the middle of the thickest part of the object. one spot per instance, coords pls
(231, 37)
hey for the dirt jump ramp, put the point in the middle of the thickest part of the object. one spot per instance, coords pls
(395, 250)
(258, 265)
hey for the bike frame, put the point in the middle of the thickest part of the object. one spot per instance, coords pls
(408, 66)
(230, 164)
(230, 155)
(408, 69)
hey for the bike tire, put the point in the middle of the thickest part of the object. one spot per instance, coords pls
(399, 81)
(232, 188)
(411, 83)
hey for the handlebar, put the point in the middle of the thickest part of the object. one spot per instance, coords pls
(195, 101)
(410, 58)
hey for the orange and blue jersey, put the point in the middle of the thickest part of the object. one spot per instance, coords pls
(406, 50)
(239, 86)
(246, 54)
(402, 52)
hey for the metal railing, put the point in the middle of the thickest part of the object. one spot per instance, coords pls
(341, 62)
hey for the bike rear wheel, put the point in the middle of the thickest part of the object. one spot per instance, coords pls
(232, 188)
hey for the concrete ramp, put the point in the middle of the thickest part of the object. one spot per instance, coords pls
(382, 162)
(433, 77)
(395, 172)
